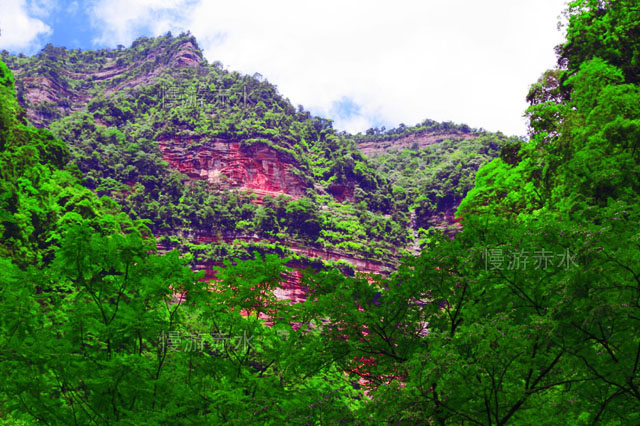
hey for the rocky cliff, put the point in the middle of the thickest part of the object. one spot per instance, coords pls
(257, 168)
(175, 139)
(412, 141)
(433, 165)
(66, 81)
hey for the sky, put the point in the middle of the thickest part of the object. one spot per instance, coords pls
(361, 63)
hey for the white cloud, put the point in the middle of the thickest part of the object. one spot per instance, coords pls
(41, 8)
(122, 21)
(461, 60)
(20, 30)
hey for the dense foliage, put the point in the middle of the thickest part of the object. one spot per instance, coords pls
(92, 332)
(433, 180)
(402, 131)
(530, 315)
(114, 142)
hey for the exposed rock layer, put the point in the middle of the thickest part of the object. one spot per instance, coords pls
(257, 168)
(46, 98)
(415, 141)
(291, 287)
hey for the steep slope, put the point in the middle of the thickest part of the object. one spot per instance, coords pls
(86, 298)
(377, 141)
(431, 166)
(257, 168)
(212, 157)
(58, 81)
(531, 312)
(202, 152)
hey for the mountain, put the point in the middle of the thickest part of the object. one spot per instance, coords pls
(531, 311)
(432, 166)
(221, 164)
(377, 141)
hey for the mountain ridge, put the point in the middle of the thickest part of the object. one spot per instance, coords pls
(161, 108)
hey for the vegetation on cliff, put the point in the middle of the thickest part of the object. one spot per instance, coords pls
(114, 142)
(529, 315)
(432, 180)
(117, 109)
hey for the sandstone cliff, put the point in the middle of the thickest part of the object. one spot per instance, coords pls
(63, 81)
(257, 168)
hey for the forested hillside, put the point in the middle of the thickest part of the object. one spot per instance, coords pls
(529, 315)
(432, 166)
(221, 164)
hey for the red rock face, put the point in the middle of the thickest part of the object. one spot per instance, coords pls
(444, 217)
(257, 168)
(187, 56)
(291, 289)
